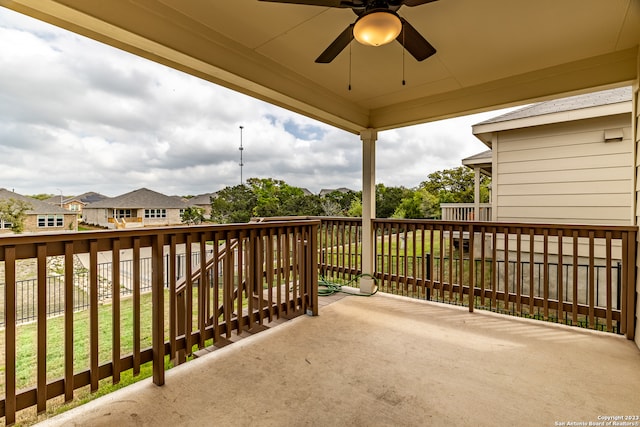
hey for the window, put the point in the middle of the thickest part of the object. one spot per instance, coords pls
(155, 213)
(50, 221)
(123, 213)
(5, 224)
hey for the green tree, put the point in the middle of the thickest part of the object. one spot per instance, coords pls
(263, 197)
(270, 195)
(330, 207)
(455, 186)
(355, 210)
(302, 205)
(388, 199)
(233, 204)
(192, 215)
(277, 198)
(337, 203)
(43, 196)
(14, 211)
(418, 204)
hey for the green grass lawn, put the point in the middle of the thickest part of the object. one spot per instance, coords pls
(27, 341)
(26, 349)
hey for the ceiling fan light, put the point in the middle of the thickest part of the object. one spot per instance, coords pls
(377, 28)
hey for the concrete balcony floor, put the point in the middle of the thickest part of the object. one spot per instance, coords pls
(383, 361)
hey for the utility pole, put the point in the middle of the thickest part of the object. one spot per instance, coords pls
(241, 149)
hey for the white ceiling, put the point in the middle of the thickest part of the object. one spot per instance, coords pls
(491, 53)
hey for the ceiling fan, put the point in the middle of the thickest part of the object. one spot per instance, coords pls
(377, 24)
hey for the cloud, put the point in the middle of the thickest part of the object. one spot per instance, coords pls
(77, 116)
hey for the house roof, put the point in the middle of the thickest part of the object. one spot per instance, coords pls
(482, 157)
(37, 206)
(55, 200)
(481, 160)
(201, 199)
(139, 199)
(89, 197)
(84, 198)
(585, 106)
(502, 52)
(595, 99)
(326, 191)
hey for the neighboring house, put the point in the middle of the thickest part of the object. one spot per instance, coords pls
(76, 203)
(139, 208)
(326, 191)
(41, 217)
(564, 161)
(567, 161)
(203, 201)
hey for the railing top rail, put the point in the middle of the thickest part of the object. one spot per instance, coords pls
(461, 205)
(300, 218)
(511, 226)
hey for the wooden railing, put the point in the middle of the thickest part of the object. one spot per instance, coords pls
(465, 212)
(261, 272)
(252, 273)
(340, 246)
(570, 274)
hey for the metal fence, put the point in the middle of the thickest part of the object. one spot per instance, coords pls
(27, 290)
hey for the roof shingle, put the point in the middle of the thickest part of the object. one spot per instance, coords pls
(595, 99)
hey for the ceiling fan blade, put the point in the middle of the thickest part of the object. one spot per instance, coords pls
(336, 46)
(326, 3)
(412, 3)
(415, 44)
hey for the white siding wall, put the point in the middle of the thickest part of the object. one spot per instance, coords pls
(565, 173)
(173, 218)
(97, 216)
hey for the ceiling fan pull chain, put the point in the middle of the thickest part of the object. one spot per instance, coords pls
(349, 66)
(403, 49)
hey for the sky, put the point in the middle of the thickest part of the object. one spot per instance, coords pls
(77, 116)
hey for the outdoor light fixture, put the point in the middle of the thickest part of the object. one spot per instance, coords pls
(377, 28)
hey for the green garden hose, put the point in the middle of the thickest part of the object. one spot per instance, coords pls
(326, 288)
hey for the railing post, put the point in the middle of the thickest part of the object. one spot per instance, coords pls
(94, 322)
(427, 260)
(42, 329)
(471, 268)
(10, 335)
(157, 296)
(310, 263)
(68, 321)
(254, 279)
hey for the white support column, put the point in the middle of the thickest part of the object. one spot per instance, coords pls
(368, 137)
(476, 193)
